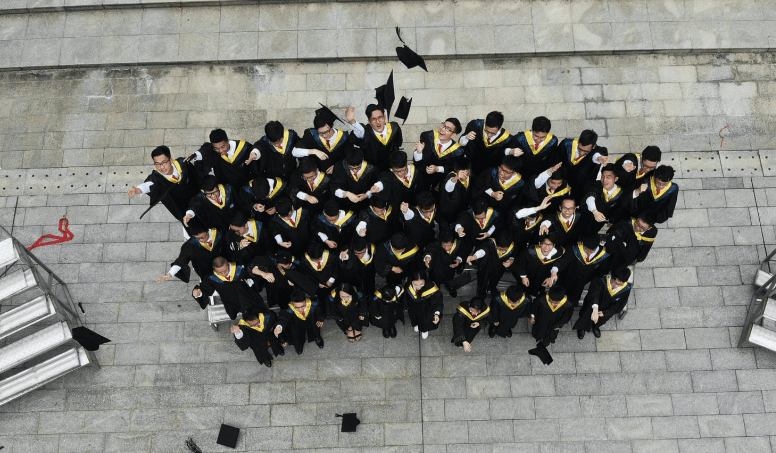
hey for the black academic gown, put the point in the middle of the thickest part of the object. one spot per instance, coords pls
(348, 316)
(398, 190)
(525, 234)
(423, 304)
(507, 315)
(375, 151)
(359, 271)
(346, 180)
(610, 301)
(276, 162)
(547, 318)
(432, 155)
(661, 203)
(568, 231)
(213, 214)
(627, 246)
(298, 232)
(335, 148)
(581, 271)
(537, 195)
(238, 292)
(340, 232)
(259, 243)
(384, 312)
(174, 193)
(629, 180)
(279, 291)
(473, 228)
(319, 189)
(513, 190)
(483, 152)
(491, 267)
(452, 204)
(441, 260)
(380, 228)
(420, 230)
(299, 328)
(200, 255)
(530, 264)
(386, 258)
(611, 206)
(463, 321)
(257, 337)
(535, 160)
(248, 200)
(234, 171)
(579, 172)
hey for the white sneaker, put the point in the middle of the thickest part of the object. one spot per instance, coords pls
(416, 329)
(424, 335)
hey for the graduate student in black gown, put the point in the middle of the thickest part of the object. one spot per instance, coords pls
(493, 259)
(254, 331)
(486, 141)
(455, 192)
(549, 312)
(239, 293)
(204, 245)
(385, 307)
(300, 322)
(214, 206)
(173, 183)
(229, 160)
(424, 303)
(380, 139)
(276, 148)
(506, 309)
(606, 297)
(468, 319)
(349, 309)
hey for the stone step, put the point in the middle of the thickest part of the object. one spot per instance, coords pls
(42, 373)
(26, 315)
(8, 253)
(33, 345)
(762, 337)
(16, 283)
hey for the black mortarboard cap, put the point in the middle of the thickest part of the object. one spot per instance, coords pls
(408, 56)
(541, 351)
(403, 110)
(89, 339)
(385, 95)
(227, 436)
(328, 116)
(349, 422)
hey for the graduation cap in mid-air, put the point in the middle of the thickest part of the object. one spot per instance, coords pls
(327, 115)
(385, 95)
(403, 110)
(349, 422)
(541, 351)
(227, 436)
(408, 56)
(89, 339)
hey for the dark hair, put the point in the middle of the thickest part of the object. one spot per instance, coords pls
(307, 165)
(511, 162)
(284, 257)
(331, 208)
(648, 217)
(591, 241)
(397, 159)
(377, 202)
(250, 317)
(274, 131)
(557, 293)
(503, 239)
(494, 119)
(651, 153)
(196, 228)
(419, 275)
(551, 236)
(479, 206)
(319, 121)
(456, 124)
(515, 292)
(622, 274)
(238, 219)
(478, 303)
(610, 167)
(315, 250)
(399, 241)
(388, 292)
(209, 183)
(354, 156)
(347, 288)
(464, 163)
(541, 124)
(558, 175)
(358, 243)
(160, 151)
(565, 198)
(260, 187)
(446, 236)
(588, 137)
(219, 261)
(218, 136)
(298, 295)
(426, 200)
(284, 206)
(664, 173)
(371, 108)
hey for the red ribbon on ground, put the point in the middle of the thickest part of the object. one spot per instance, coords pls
(49, 239)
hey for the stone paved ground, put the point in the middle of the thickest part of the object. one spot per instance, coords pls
(668, 378)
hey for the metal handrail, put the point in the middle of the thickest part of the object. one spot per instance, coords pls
(759, 296)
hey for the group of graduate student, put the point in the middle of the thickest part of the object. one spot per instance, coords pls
(344, 224)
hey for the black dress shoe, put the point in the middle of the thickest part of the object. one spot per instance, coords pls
(299, 351)
(282, 352)
(393, 331)
(492, 331)
(580, 334)
(386, 333)
(596, 331)
(509, 333)
(268, 363)
(453, 293)
(319, 342)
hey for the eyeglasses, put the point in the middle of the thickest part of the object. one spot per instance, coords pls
(445, 127)
(310, 178)
(571, 209)
(326, 132)
(212, 192)
(377, 119)
(159, 164)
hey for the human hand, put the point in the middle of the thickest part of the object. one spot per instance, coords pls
(461, 232)
(427, 260)
(134, 191)
(259, 207)
(599, 216)
(419, 146)
(235, 329)
(319, 323)
(431, 169)
(484, 235)
(628, 166)
(164, 278)
(196, 292)
(277, 331)
(544, 229)
(545, 203)
(471, 135)
(525, 282)
(470, 259)
(467, 347)
(331, 244)
(285, 244)
(311, 199)
(436, 319)
(498, 195)
(350, 114)
(404, 207)
(187, 218)
(509, 262)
